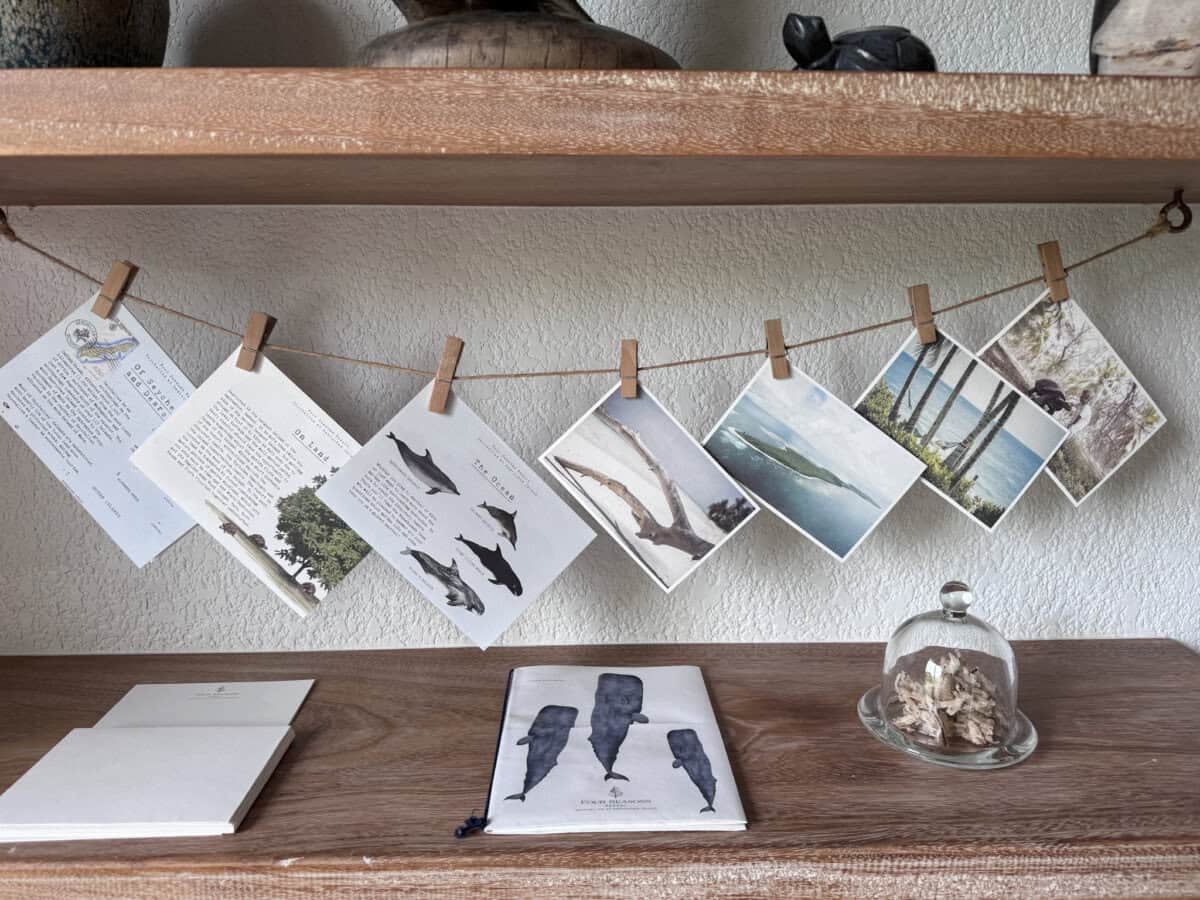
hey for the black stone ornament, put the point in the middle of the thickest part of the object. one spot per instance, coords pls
(884, 49)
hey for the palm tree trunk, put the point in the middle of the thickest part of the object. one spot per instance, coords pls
(928, 392)
(984, 420)
(1010, 404)
(949, 404)
(912, 373)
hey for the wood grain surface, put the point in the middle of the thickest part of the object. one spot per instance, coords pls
(394, 749)
(554, 138)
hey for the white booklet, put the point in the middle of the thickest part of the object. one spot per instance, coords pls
(168, 760)
(586, 749)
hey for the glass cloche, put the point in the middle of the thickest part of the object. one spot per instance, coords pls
(949, 691)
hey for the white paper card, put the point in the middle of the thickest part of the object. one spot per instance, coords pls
(142, 782)
(245, 456)
(458, 513)
(221, 703)
(83, 397)
(611, 749)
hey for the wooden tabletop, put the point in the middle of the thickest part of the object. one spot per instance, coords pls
(394, 749)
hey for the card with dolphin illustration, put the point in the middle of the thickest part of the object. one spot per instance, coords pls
(611, 749)
(457, 512)
(650, 485)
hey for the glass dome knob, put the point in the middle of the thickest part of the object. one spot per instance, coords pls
(956, 599)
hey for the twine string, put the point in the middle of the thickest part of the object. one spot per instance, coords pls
(1161, 225)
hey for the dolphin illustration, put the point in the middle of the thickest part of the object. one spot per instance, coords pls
(689, 753)
(618, 705)
(547, 736)
(506, 520)
(424, 468)
(458, 592)
(494, 562)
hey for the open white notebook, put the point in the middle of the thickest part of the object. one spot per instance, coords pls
(167, 761)
(610, 749)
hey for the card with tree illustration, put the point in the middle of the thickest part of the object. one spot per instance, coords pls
(245, 456)
(1060, 360)
(459, 514)
(982, 440)
(649, 484)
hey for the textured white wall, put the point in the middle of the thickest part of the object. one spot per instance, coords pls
(524, 286)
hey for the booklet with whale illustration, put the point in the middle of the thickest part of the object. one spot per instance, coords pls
(590, 749)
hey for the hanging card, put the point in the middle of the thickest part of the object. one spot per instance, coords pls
(982, 440)
(647, 482)
(811, 460)
(1056, 355)
(458, 513)
(245, 456)
(83, 396)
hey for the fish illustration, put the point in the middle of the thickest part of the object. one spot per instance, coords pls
(618, 705)
(113, 351)
(506, 520)
(689, 753)
(458, 592)
(424, 468)
(494, 562)
(547, 736)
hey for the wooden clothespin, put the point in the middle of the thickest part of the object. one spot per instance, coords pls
(922, 313)
(1053, 271)
(445, 374)
(629, 369)
(777, 349)
(114, 286)
(258, 329)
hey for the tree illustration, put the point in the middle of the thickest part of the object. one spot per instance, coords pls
(679, 534)
(949, 404)
(318, 541)
(894, 413)
(911, 424)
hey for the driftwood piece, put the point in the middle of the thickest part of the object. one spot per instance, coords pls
(951, 701)
(1150, 37)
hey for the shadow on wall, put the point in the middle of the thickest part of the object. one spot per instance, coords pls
(265, 33)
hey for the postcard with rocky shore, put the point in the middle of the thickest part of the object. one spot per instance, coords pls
(647, 482)
(811, 460)
(983, 441)
(1060, 360)
(458, 513)
(245, 456)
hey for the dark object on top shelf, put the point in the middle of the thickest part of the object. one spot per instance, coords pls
(884, 49)
(508, 34)
(85, 33)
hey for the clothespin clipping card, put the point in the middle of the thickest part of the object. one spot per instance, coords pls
(258, 329)
(629, 369)
(922, 312)
(445, 374)
(777, 349)
(1053, 271)
(118, 279)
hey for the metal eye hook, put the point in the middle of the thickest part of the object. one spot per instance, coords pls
(1184, 210)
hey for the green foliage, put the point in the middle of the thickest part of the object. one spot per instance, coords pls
(728, 516)
(319, 542)
(988, 513)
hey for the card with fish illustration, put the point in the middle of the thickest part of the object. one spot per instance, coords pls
(611, 749)
(457, 512)
(649, 484)
(82, 397)
(1059, 359)
(245, 456)
(811, 460)
(982, 442)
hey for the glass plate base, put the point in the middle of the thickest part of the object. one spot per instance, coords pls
(1018, 748)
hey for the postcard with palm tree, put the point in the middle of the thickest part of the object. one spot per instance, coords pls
(807, 457)
(1062, 362)
(982, 440)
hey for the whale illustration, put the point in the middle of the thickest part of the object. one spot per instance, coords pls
(494, 562)
(618, 705)
(689, 753)
(547, 736)
(458, 592)
(424, 468)
(506, 520)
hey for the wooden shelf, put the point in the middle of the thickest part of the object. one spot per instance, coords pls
(250, 136)
(394, 749)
